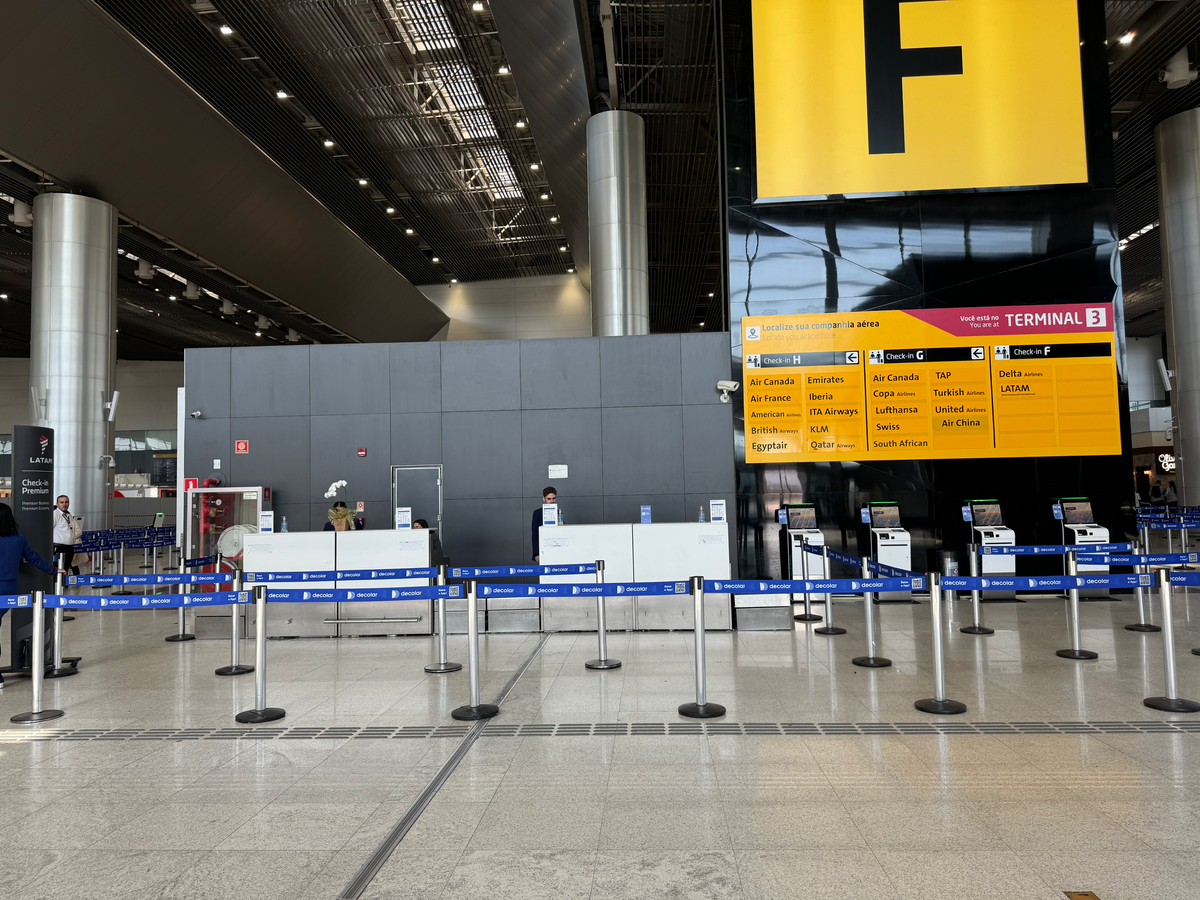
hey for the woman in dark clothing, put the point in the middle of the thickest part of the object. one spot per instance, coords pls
(14, 550)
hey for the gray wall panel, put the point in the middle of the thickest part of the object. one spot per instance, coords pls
(707, 443)
(349, 378)
(562, 436)
(643, 450)
(205, 440)
(298, 515)
(416, 377)
(705, 361)
(620, 508)
(560, 374)
(485, 532)
(278, 457)
(642, 370)
(206, 378)
(479, 375)
(481, 453)
(416, 439)
(335, 442)
(269, 381)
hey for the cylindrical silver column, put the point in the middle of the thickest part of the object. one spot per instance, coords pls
(72, 342)
(617, 224)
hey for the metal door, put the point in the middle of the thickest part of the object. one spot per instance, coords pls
(419, 487)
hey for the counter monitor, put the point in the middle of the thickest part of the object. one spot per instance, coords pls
(986, 514)
(885, 515)
(1077, 512)
(802, 517)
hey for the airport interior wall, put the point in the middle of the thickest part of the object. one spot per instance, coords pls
(637, 420)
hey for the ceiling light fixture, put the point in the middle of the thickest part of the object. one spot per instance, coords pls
(435, 259)
(477, 6)
(282, 95)
(520, 123)
(226, 30)
(328, 142)
(408, 231)
(258, 334)
(563, 248)
(554, 218)
(391, 209)
(3, 296)
(362, 181)
(534, 166)
(545, 196)
(172, 297)
(503, 70)
(571, 269)
(710, 293)
(454, 281)
(1126, 38)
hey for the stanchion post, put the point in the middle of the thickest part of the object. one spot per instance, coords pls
(1075, 651)
(1171, 702)
(602, 661)
(182, 634)
(1142, 624)
(976, 626)
(58, 670)
(701, 709)
(443, 665)
(474, 710)
(37, 670)
(261, 712)
(938, 705)
(235, 666)
(828, 628)
(808, 615)
(119, 562)
(870, 661)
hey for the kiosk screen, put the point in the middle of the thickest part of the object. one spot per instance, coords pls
(802, 518)
(885, 516)
(986, 515)
(1077, 512)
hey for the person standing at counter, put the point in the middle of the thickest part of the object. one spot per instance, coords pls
(337, 514)
(549, 495)
(66, 533)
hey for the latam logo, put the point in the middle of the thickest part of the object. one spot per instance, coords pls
(44, 442)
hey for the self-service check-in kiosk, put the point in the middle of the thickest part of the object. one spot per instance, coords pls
(891, 544)
(800, 528)
(989, 530)
(1079, 528)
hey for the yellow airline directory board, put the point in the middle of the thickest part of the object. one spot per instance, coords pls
(931, 384)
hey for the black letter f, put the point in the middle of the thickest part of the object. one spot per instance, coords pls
(887, 67)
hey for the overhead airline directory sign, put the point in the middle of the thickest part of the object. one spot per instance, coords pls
(931, 384)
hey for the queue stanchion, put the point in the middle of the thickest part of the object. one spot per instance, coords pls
(603, 661)
(976, 626)
(235, 666)
(119, 561)
(475, 710)
(701, 709)
(182, 634)
(261, 712)
(1171, 702)
(443, 665)
(58, 670)
(808, 615)
(1075, 651)
(37, 671)
(828, 628)
(870, 661)
(1140, 593)
(938, 705)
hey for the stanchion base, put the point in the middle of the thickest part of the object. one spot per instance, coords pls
(442, 668)
(1140, 627)
(64, 672)
(234, 670)
(32, 718)
(602, 664)
(68, 618)
(1166, 704)
(977, 629)
(941, 707)
(702, 710)
(1077, 654)
(872, 662)
(829, 629)
(1196, 651)
(808, 617)
(475, 713)
(258, 716)
(176, 638)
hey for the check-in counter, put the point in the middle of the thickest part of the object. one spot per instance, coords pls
(301, 551)
(675, 551)
(367, 550)
(581, 545)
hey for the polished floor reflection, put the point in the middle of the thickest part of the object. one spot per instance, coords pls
(149, 812)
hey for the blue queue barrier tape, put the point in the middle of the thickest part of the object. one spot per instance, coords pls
(1054, 549)
(1157, 559)
(344, 595)
(375, 574)
(288, 577)
(1191, 579)
(16, 601)
(146, 601)
(186, 578)
(513, 571)
(815, 586)
(589, 589)
(886, 571)
(1173, 526)
(1059, 582)
(199, 561)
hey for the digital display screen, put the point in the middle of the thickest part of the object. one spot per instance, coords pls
(802, 518)
(885, 516)
(986, 514)
(1078, 512)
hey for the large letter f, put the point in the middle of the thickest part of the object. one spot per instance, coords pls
(887, 67)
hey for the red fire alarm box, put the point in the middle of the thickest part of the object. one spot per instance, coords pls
(362, 451)
(241, 446)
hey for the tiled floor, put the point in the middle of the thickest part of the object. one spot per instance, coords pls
(699, 815)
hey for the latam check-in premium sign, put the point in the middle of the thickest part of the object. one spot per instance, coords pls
(888, 96)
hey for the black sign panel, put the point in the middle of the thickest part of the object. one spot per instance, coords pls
(33, 502)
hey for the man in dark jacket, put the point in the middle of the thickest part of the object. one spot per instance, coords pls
(549, 495)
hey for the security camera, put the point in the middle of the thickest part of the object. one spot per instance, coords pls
(725, 387)
(197, 415)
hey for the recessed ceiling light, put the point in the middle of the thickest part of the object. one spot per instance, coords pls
(362, 181)
(554, 218)
(477, 6)
(282, 95)
(701, 324)
(534, 166)
(454, 281)
(563, 248)
(258, 334)
(172, 297)
(572, 269)
(1126, 38)
(520, 123)
(710, 293)
(391, 209)
(328, 142)
(737, 168)
(503, 70)
(3, 296)
(435, 259)
(408, 231)
(117, 330)
(226, 30)
(545, 196)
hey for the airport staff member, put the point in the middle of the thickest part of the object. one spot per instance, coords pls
(66, 533)
(14, 550)
(549, 495)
